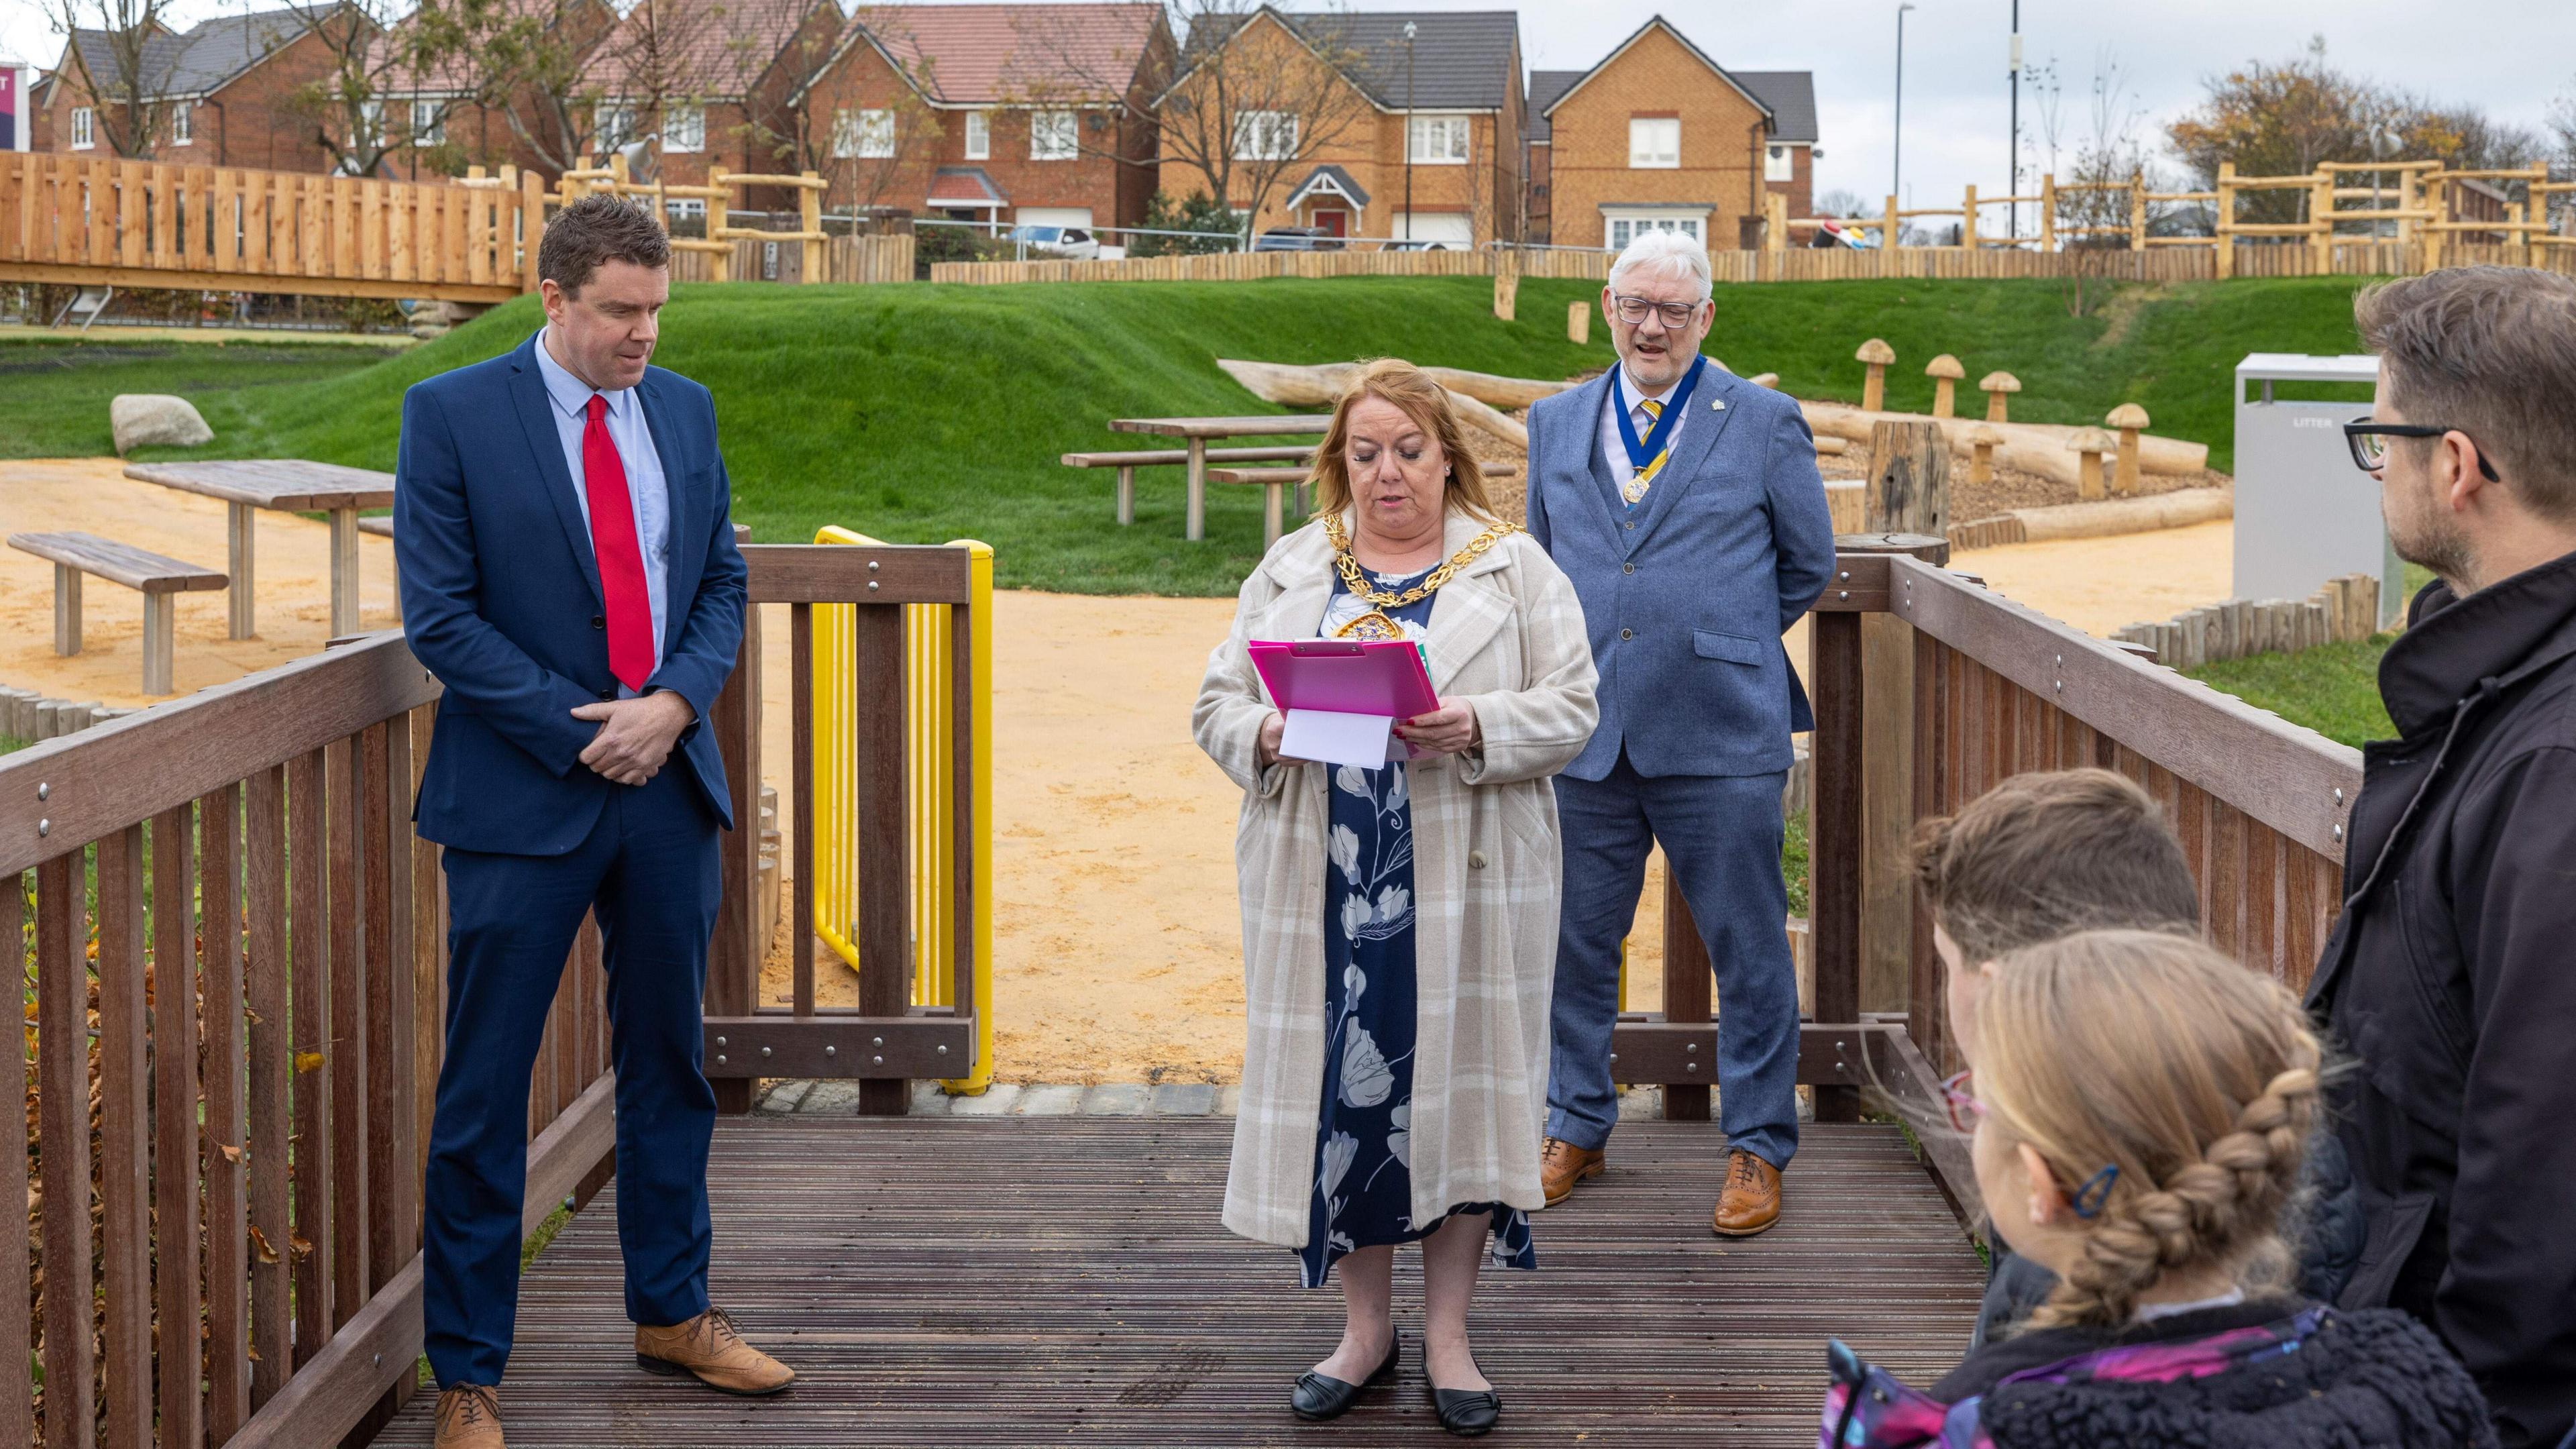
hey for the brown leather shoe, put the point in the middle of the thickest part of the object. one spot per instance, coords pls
(469, 1417)
(710, 1347)
(1751, 1201)
(1562, 1164)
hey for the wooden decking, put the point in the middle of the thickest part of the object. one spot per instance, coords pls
(1044, 1281)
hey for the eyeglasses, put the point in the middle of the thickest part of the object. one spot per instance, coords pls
(1964, 1109)
(1633, 310)
(2368, 439)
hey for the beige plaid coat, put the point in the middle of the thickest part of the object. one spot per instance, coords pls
(1507, 635)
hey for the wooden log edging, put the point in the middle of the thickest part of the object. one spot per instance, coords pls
(2345, 609)
(32, 715)
(1990, 532)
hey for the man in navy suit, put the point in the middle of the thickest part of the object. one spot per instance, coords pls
(1684, 503)
(569, 574)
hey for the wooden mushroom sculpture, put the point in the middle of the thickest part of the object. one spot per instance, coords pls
(2129, 418)
(1981, 464)
(1945, 373)
(1873, 393)
(2092, 443)
(1998, 386)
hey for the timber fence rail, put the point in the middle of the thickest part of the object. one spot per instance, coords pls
(237, 965)
(248, 1052)
(1976, 688)
(110, 221)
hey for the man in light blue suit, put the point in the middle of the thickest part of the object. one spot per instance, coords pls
(1684, 503)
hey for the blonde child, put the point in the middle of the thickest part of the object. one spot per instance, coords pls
(2139, 1107)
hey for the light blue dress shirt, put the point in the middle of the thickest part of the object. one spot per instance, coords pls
(650, 496)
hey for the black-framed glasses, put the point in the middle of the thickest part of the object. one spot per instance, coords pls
(1633, 310)
(2368, 438)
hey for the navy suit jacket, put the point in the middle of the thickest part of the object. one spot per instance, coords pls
(500, 599)
(1687, 595)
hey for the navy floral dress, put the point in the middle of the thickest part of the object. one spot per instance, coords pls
(1363, 1195)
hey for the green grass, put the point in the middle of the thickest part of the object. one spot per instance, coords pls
(1793, 862)
(923, 413)
(54, 393)
(2332, 689)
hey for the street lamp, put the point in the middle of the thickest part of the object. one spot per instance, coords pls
(1896, 183)
(2013, 66)
(1408, 130)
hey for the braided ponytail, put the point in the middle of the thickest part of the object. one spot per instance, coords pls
(2194, 1077)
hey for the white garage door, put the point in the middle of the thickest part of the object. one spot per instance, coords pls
(1449, 227)
(1053, 216)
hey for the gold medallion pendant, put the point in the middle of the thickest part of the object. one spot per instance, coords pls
(1372, 625)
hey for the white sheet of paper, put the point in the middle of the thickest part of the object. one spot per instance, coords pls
(1365, 740)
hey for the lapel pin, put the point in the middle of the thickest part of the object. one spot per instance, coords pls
(1717, 404)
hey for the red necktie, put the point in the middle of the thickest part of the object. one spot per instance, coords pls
(628, 607)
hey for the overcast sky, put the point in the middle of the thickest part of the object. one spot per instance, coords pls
(2513, 56)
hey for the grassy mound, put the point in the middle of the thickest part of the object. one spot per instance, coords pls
(921, 413)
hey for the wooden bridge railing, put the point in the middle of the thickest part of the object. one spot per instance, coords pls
(72, 219)
(1995, 690)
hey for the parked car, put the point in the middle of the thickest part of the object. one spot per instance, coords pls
(1834, 233)
(1069, 242)
(1296, 239)
(1419, 244)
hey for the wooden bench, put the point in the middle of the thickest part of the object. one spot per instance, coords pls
(1279, 479)
(1127, 463)
(75, 554)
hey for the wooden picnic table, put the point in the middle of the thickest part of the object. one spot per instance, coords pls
(1197, 431)
(289, 485)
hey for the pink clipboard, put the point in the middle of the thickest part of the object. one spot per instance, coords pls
(1346, 676)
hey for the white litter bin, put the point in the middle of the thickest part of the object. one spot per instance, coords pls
(2304, 514)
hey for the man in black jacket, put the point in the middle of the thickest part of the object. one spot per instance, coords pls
(2451, 976)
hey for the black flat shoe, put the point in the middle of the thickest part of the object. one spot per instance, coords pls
(1467, 1412)
(1321, 1396)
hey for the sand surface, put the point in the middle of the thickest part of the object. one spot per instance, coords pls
(1116, 939)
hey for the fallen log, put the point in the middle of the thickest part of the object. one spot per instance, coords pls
(2035, 448)
(1321, 385)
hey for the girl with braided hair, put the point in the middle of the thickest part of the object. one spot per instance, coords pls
(2139, 1105)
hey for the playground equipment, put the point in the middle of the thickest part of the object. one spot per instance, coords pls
(846, 843)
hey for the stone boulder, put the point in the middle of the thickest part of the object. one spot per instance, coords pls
(143, 419)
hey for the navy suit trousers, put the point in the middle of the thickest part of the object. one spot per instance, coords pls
(649, 869)
(1721, 836)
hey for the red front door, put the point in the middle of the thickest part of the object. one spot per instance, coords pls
(1333, 222)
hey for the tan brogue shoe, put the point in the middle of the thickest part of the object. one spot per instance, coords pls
(469, 1417)
(1561, 1165)
(710, 1347)
(1751, 1201)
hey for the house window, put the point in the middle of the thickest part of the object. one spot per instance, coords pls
(371, 124)
(979, 136)
(614, 125)
(428, 123)
(688, 210)
(1625, 229)
(684, 128)
(862, 134)
(1655, 143)
(1053, 136)
(1779, 165)
(1438, 140)
(1265, 135)
(181, 115)
(83, 136)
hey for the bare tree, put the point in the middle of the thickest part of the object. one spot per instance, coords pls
(134, 47)
(664, 61)
(780, 124)
(525, 59)
(1078, 74)
(1255, 100)
(370, 52)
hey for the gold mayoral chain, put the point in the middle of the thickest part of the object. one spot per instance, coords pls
(1376, 624)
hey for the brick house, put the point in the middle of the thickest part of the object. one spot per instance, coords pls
(1544, 87)
(1002, 114)
(446, 114)
(707, 84)
(218, 95)
(1659, 136)
(1422, 140)
(1789, 156)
